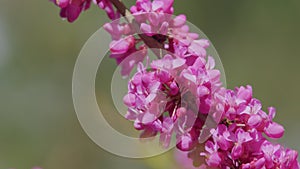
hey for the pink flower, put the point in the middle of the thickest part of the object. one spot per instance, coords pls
(273, 129)
(159, 6)
(123, 45)
(126, 54)
(221, 137)
(71, 9)
(213, 158)
(255, 164)
(240, 138)
(117, 30)
(108, 8)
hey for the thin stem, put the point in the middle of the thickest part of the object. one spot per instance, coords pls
(148, 40)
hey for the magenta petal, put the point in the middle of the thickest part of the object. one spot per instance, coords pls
(130, 115)
(167, 5)
(210, 63)
(237, 151)
(129, 100)
(166, 134)
(272, 112)
(72, 12)
(179, 21)
(202, 42)
(114, 29)
(202, 91)
(290, 159)
(185, 142)
(156, 5)
(214, 75)
(259, 163)
(137, 125)
(148, 118)
(178, 62)
(153, 18)
(245, 93)
(196, 48)
(274, 130)
(150, 97)
(214, 160)
(199, 62)
(119, 47)
(163, 30)
(165, 139)
(190, 77)
(254, 120)
(174, 89)
(145, 28)
(193, 35)
(210, 147)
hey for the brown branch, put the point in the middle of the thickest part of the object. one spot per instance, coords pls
(148, 40)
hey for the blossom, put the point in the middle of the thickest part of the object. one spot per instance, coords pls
(146, 6)
(107, 6)
(273, 129)
(171, 97)
(181, 90)
(153, 19)
(126, 53)
(213, 157)
(71, 9)
(238, 139)
(277, 157)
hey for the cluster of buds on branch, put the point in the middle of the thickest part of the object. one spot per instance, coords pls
(179, 91)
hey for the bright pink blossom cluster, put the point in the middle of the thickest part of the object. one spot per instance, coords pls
(170, 96)
(71, 9)
(180, 91)
(238, 140)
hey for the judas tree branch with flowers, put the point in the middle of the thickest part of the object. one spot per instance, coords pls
(177, 92)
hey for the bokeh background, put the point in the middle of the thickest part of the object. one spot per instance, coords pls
(258, 42)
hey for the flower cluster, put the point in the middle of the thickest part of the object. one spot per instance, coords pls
(71, 9)
(170, 96)
(238, 140)
(153, 19)
(127, 48)
(180, 91)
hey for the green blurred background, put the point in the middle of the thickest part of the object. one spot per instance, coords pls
(258, 42)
